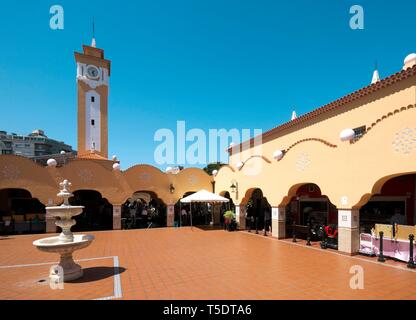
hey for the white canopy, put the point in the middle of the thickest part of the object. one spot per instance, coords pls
(205, 196)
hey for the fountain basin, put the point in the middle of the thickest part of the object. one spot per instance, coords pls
(63, 215)
(67, 269)
(55, 245)
(64, 211)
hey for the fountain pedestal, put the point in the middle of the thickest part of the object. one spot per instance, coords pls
(66, 243)
(72, 271)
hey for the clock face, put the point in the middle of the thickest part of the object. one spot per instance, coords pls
(93, 72)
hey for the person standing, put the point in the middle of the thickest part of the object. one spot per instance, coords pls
(398, 218)
(132, 209)
(267, 219)
(144, 212)
(184, 216)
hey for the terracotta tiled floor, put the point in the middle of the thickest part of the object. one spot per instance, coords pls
(195, 264)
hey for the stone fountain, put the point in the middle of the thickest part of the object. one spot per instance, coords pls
(66, 243)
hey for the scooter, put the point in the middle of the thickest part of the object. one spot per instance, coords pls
(329, 237)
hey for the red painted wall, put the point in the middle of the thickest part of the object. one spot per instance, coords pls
(402, 186)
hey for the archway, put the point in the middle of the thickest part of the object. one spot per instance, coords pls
(97, 214)
(20, 213)
(389, 211)
(258, 211)
(202, 213)
(230, 205)
(143, 210)
(394, 202)
(308, 207)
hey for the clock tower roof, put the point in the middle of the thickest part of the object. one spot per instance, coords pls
(92, 55)
(93, 51)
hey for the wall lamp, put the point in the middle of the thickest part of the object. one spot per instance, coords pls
(234, 188)
(171, 188)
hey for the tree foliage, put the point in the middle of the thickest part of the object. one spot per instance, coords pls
(213, 166)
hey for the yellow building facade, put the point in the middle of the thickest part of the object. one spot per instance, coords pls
(348, 150)
(309, 150)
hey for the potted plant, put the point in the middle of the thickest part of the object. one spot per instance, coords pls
(230, 220)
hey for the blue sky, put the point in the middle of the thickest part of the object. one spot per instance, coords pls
(214, 64)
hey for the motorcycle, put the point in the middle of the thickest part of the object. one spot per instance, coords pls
(329, 237)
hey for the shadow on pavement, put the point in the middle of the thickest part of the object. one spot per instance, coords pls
(99, 273)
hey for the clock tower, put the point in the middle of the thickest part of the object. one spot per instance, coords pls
(93, 73)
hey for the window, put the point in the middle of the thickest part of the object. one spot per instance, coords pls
(359, 132)
(93, 122)
(92, 99)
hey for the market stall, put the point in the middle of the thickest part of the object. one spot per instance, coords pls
(203, 196)
(390, 241)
